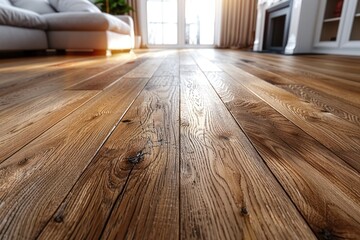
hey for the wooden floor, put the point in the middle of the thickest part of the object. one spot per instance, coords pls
(180, 144)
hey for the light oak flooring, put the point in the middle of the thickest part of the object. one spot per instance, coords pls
(180, 144)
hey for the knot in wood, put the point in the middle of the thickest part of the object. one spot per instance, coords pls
(23, 161)
(137, 158)
(59, 219)
(244, 211)
(326, 234)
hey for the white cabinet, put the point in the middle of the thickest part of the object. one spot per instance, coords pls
(338, 28)
(352, 25)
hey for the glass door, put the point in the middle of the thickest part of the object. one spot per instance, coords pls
(162, 22)
(199, 22)
(180, 23)
(331, 21)
(355, 29)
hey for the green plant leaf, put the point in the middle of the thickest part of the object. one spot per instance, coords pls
(116, 7)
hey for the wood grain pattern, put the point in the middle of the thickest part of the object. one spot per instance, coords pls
(325, 102)
(149, 204)
(107, 78)
(180, 144)
(339, 71)
(337, 67)
(12, 65)
(145, 194)
(344, 89)
(42, 173)
(36, 87)
(24, 122)
(320, 184)
(340, 136)
(295, 69)
(146, 69)
(227, 192)
(288, 67)
(20, 74)
(10, 62)
(170, 66)
(69, 78)
(348, 72)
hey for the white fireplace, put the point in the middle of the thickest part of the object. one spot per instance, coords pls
(300, 31)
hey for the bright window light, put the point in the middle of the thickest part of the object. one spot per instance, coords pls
(196, 29)
(162, 21)
(199, 22)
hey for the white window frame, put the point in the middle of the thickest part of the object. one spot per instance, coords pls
(181, 28)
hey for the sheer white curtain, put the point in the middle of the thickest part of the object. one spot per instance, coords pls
(236, 22)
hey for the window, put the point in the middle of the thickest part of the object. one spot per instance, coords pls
(180, 22)
(162, 21)
(199, 22)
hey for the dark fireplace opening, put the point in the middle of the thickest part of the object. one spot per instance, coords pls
(277, 39)
(277, 27)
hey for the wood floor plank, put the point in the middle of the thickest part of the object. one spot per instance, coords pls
(18, 75)
(62, 79)
(335, 65)
(323, 187)
(168, 72)
(149, 205)
(227, 192)
(339, 72)
(16, 82)
(327, 83)
(15, 64)
(146, 193)
(23, 123)
(104, 80)
(35, 180)
(170, 66)
(146, 69)
(338, 135)
(224, 144)
(43, 85)
(350, 63)
(6, 61)
(343, 88)
(325, 102)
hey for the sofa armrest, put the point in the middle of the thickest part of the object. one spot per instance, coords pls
(128, 19)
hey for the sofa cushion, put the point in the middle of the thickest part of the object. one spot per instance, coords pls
(18, 17)
(22, 39)
(39, 6)
(5, 2)
(71, 21)
(74, 6)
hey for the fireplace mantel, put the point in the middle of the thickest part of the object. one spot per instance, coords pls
(302, 25)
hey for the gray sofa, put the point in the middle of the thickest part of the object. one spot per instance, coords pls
(61, 25)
